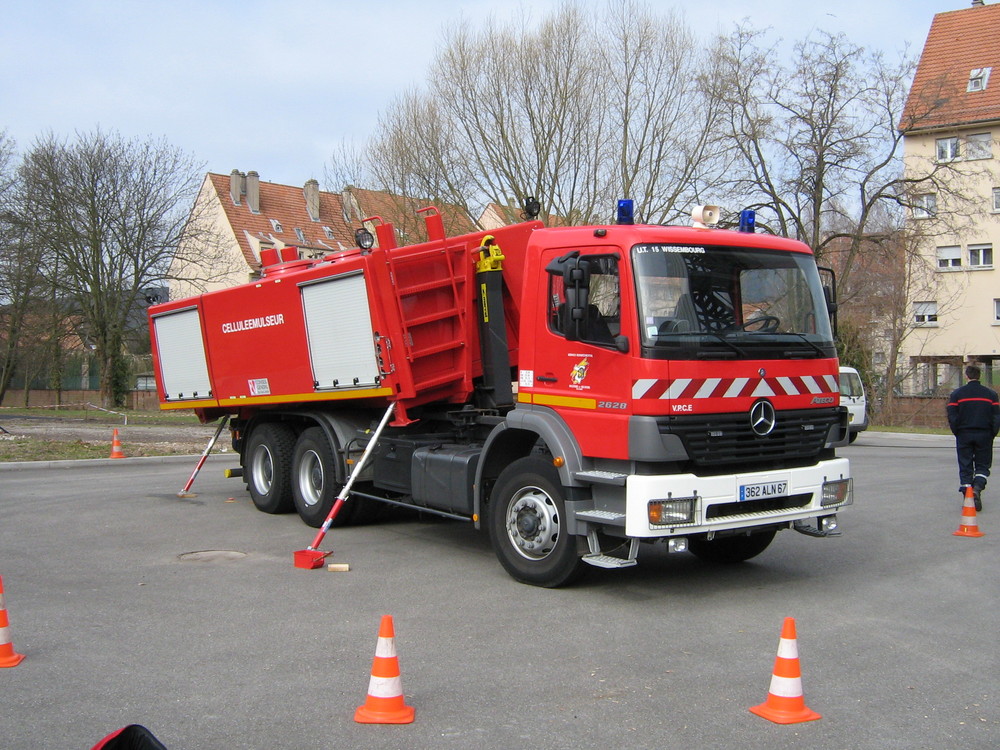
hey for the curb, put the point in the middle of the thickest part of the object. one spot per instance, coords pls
(94, 462)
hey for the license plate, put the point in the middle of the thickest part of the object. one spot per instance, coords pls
(763, 490)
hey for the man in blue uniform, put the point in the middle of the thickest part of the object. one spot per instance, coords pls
(974, 418)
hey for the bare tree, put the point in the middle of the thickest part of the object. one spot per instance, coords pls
(109, 214)
(578, 112)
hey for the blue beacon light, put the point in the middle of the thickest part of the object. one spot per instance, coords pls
(626, 212)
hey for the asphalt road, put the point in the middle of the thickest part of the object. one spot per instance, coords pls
(897, 622)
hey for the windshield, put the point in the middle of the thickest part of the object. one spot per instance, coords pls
(729, 301)
(850, 385)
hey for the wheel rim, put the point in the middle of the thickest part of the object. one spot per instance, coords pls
(262, 469)
(532, 523)
(311, 478)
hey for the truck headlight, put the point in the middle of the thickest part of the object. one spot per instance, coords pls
(672, 511)
(837, 492)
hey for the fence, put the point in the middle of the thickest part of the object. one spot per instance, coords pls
(38, 397)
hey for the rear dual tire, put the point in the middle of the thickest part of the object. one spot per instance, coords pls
(268, 467)
(315, 486)
(284, 473)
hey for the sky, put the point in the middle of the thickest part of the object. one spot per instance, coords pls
(276, 85)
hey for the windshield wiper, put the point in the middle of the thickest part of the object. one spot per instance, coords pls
(717, 336)
(813, 344)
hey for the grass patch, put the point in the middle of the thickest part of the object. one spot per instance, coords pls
(96, 416)
(18, 448)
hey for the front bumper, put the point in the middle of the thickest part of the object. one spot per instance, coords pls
(717, 506)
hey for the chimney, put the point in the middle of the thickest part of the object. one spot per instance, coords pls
(236, 188)
(977, 2)
(253, 191)
(311, 192)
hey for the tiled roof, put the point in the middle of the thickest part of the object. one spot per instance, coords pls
(959, 42)
(286, 205)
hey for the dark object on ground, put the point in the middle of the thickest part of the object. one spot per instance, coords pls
(132, 737)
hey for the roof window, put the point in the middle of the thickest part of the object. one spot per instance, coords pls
(978, 78)
(300, 234)
(329, 233)
(276, 226)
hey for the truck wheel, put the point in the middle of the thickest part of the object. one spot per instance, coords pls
(730, 549)
(527, 519)
(313, 477)
(269, 466)
(314, 481)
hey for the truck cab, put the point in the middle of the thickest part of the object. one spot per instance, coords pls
(682, 384)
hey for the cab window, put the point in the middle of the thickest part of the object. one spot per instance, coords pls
(603, 314)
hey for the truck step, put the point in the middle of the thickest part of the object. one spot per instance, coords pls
(602, 477)
(602, 516)
(608, 561)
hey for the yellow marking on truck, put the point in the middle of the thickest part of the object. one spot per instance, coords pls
(189, 404)
(322, 396)
(570, 401)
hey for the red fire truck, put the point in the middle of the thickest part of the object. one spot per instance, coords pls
(576, 391)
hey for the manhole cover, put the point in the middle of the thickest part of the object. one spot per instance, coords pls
(211, 555)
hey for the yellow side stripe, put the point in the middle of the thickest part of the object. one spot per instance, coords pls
(573, 402)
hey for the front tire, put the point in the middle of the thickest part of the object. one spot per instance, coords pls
(269, 466)
(730, 549)
(527, 522)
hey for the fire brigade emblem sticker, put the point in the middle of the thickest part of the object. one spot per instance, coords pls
(762, 418)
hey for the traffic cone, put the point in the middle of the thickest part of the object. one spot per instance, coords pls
(785, 703)
(969, 525)
(384, 704)
(8, 656)
(116, 446)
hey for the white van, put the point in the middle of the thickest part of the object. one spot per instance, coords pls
(852, 395)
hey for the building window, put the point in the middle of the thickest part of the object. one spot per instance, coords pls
(276, 226)
(947, 149)
(996, 310)
(300, 234)
(925, 313)
(981, 256)
(996, 199)
(949, 257)
(978, 78)
(924, 206)
(979, 146)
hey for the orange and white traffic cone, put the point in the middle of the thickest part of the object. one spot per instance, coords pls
(968, 525)
(384, 704)
(785, 703)
(116, 446)
(8, 656)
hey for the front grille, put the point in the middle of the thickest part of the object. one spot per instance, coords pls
(716, 440)
(724, 510)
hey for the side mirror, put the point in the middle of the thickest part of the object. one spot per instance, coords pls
(576, 283)
(829, 281)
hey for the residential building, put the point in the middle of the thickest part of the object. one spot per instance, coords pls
(238, 216)
(951, 127)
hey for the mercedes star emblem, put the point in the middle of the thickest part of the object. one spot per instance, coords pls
(762, 418)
